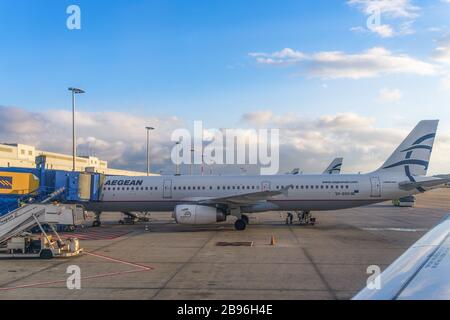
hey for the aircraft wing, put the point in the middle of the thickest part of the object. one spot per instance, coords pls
(243, 199)
(421, 273)
(434, 182)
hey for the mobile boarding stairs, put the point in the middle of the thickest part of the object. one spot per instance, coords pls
(16, 242)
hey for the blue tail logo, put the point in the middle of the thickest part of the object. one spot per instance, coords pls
(408, 161)
(409, 151)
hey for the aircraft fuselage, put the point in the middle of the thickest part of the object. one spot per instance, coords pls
(309, 192)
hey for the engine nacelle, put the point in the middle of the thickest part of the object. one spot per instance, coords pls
(195, 214)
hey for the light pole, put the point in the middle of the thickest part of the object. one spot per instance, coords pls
(74, 148)
(192, 158)
(148, 149)
(177, 168)
(203, 163)
(210, 164)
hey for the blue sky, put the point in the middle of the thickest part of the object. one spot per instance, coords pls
(192, 59)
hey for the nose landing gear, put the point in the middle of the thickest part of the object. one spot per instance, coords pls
(97, 222)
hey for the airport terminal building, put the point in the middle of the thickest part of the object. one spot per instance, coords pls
(24, 156)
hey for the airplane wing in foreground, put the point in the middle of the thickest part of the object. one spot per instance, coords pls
(421, 273)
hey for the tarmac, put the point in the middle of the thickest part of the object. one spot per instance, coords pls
(163, 260)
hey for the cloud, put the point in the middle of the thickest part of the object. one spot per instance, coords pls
(442, 52)
(306, 143)
(257, 119)
(114, 136)
(390, 95)
(386, 30)
(312, 143)
(445, 83)
(371, 63)
(399, 12)
(383, 30)
(286, 56)
(435, 29)
(441, 55)
(391, 8)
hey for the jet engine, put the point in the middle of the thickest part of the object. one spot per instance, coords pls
(196, 214)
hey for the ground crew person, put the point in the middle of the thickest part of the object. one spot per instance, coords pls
(289, 218)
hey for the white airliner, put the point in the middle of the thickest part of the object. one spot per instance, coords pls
(198, 200)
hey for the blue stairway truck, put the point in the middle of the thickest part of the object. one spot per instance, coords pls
(79, 187)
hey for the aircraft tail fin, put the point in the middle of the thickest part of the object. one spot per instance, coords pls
(413, 155)
(334, 167)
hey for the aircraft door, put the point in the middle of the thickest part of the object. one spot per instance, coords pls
(375, 187)
(265, 186)
(167, 189)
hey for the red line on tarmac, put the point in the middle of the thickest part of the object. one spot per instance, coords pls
(62, 281)
(142, 268)
(120, 261)
(104, 235)
(95, 235)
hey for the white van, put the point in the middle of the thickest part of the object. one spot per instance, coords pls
(405, 202)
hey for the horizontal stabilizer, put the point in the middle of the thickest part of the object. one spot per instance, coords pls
(410, 185)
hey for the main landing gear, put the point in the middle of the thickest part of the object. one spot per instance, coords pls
(305, 218)
(241, 223)
(97, 222)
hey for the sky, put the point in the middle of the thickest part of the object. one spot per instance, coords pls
(293, 65)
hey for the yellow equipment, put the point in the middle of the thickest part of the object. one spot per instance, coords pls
(13, 183)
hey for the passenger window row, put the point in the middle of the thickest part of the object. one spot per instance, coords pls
(130, 188)
(302, 187)
(218, 188)
(316, 187)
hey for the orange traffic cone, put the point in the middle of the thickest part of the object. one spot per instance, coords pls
(272, 241)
